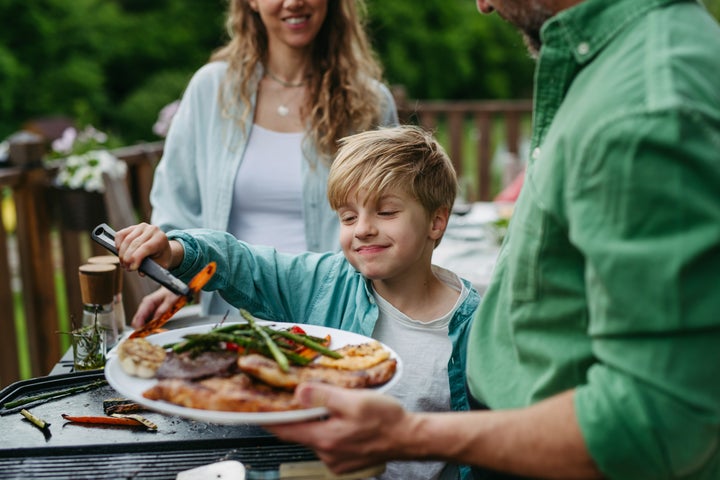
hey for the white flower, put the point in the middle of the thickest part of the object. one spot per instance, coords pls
(85, 160)
(64, 144)
(85, 171)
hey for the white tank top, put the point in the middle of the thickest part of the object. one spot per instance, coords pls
(267, 201)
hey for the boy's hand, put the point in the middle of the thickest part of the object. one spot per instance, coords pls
(137, 242)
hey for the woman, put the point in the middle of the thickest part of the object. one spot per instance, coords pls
(251, 144)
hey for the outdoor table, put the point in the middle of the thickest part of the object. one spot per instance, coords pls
(77, 451)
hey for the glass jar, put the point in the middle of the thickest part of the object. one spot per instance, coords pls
(103, 317)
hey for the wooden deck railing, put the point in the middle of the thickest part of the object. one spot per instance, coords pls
(474, 130)
(42, 245)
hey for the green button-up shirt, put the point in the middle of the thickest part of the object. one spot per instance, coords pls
(609, 279)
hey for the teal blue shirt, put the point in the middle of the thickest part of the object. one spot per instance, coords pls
(609, 279)
(313, 288)
(194, 182)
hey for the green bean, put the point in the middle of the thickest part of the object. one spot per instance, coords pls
(308, 343)
(55, 394)
(277, 354)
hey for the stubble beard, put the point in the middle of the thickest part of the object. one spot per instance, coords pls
(529, 19)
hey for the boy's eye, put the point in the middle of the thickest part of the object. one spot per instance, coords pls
(387, 213)
(347, 219)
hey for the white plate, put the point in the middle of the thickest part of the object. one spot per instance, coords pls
(133, 387)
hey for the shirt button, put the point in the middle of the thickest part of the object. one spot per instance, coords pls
(536, 153)
(583, 48)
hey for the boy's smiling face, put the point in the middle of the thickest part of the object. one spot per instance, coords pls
(387, 237)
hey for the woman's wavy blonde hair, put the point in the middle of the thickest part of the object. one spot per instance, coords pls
(342, 98)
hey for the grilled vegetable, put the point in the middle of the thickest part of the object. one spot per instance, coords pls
(277, 354)
(292, 346)
(133, 416)
(121, 405)
(55, 394)
(115, 419)
(38, 422)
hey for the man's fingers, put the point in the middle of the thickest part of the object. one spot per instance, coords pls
(315, 394)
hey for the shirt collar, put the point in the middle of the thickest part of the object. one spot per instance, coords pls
(589, 26)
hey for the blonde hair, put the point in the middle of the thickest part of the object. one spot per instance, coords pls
(405, 158)
(342, 97)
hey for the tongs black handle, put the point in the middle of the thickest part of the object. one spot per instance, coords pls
(105, 236)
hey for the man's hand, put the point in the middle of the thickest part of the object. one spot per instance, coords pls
(360, 431)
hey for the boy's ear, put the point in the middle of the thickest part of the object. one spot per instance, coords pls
(439, 222)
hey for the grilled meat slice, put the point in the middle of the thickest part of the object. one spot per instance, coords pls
(238, 393)
(268, 371)
(192, 367)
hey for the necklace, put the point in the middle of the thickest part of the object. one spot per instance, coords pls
(283, 110)
(284, 83)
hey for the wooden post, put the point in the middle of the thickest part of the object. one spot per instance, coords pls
(512, 129)
(9, 362)
(457, 130)
(36, 266)
(482, 125)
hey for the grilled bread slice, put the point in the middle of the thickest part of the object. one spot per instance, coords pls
(140, 358)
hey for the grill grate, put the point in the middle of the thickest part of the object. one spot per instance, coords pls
(143, 465)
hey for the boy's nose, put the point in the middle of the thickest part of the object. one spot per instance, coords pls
(364, 227)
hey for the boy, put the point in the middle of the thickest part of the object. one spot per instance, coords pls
(393, 190)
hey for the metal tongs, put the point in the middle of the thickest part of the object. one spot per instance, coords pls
(105, 236)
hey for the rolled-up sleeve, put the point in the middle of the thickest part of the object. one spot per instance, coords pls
(645, 212)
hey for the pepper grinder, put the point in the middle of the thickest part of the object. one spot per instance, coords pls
(118, 308)
(97, 288)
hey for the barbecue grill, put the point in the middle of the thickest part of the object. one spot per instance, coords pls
(82, 451)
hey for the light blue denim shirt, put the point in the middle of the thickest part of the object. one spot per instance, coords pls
(195, 180)
(312, 288)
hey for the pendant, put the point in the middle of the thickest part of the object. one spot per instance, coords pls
(282, 110)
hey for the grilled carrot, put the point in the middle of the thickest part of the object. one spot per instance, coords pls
(127, 421)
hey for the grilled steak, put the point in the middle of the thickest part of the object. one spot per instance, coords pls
(192, 367)
(238, 393)
(268, 371)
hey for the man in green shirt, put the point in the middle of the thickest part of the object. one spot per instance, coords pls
(597, 345)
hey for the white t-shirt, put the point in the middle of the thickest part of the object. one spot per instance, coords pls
(425, 350)
(267, 201)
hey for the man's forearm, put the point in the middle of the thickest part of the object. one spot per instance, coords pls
(543, 440)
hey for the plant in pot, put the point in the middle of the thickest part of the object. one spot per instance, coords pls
(81, 158)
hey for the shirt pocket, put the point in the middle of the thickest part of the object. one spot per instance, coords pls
(526, 233)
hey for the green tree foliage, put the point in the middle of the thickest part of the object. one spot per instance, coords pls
(116, 63)
(113, 63)
(446, 49)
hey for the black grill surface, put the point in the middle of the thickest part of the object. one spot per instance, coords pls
(143, 465)
(75, 451)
